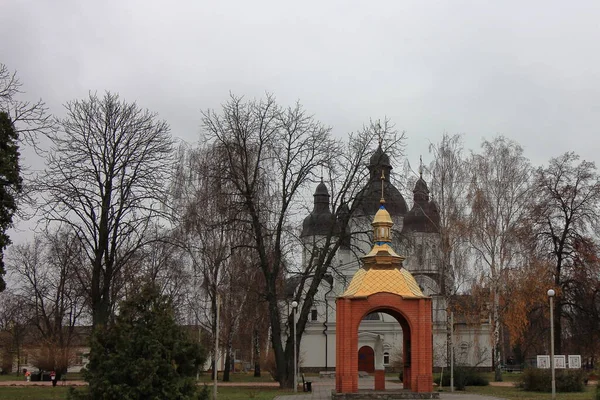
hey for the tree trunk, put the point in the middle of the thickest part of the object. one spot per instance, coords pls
(227, 364)
(497, 347)
(256, 354)
(557, 327)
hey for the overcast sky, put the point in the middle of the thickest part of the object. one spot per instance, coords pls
(529, 70)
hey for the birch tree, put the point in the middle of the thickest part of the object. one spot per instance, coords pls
(449, 186)
(499, 193)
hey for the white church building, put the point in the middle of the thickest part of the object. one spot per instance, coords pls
(416, 237)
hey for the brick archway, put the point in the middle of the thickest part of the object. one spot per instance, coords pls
(413, 315)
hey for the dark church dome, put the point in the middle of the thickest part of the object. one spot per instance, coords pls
(367, 200)
(320, 220)
(424, 215)
(379, 158)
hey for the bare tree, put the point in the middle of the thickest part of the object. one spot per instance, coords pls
(44, 271)
(105, 179)
(499, 195)
(566, 213)
(270, 154)
(449, 186)
(15, 317)
(29, 118)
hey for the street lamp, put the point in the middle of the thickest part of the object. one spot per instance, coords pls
(294, 306)
(551, 296)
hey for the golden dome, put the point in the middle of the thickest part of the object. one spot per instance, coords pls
(382, 217)
(382, 268)
(374, 280)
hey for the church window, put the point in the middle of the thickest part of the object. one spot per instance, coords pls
(313, 315)
(372, 317)
(386, 358)
(420, 254)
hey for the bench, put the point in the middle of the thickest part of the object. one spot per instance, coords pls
(511, 368)
(326, 374)
(306, 385)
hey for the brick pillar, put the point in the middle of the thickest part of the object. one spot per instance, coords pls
(346, 376)
(379, 379)
(423, 378)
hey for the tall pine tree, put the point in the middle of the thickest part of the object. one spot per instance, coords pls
(10, 184)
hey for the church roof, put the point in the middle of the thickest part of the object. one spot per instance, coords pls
(320, 220)
(367, 200)
(394, 280)
(424, 215)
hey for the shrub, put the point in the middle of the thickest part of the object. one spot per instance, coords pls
(463, 377)
(145, 354)
(540, 380)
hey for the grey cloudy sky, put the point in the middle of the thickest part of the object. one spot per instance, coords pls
(529, 70)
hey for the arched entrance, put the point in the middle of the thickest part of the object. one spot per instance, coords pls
(383, 285)
(366, 359)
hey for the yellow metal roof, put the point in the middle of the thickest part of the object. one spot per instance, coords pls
(382, 270)
(376, 280)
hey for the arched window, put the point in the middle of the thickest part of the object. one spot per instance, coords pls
(386, 358)
(372, 317)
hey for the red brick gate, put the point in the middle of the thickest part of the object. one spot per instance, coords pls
(383, 285)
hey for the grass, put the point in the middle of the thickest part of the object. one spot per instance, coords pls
(512, 393)
(244, 393)
(238, 377)
(60, 393)
(33, 393)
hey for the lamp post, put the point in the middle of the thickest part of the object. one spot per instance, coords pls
(551, 296)
(294, 306)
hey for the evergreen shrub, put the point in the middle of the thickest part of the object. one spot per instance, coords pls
(144, 354)
(540, 380)
(463, 376)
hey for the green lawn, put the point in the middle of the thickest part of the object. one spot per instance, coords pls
(238, 377)
(513, 393)
(243, 393)
(33, 393)
(60, 393)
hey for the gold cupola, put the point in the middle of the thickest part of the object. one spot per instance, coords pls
(382, 269)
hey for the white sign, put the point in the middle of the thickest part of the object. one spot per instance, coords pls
(574, 361)
(543, 361)
(559, 362)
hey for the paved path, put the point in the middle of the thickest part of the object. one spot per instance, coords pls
(322, 388)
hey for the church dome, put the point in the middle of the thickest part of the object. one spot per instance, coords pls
(322, 190)
(367, 200)
(379, 158)
(424, 215)
(320, 220)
